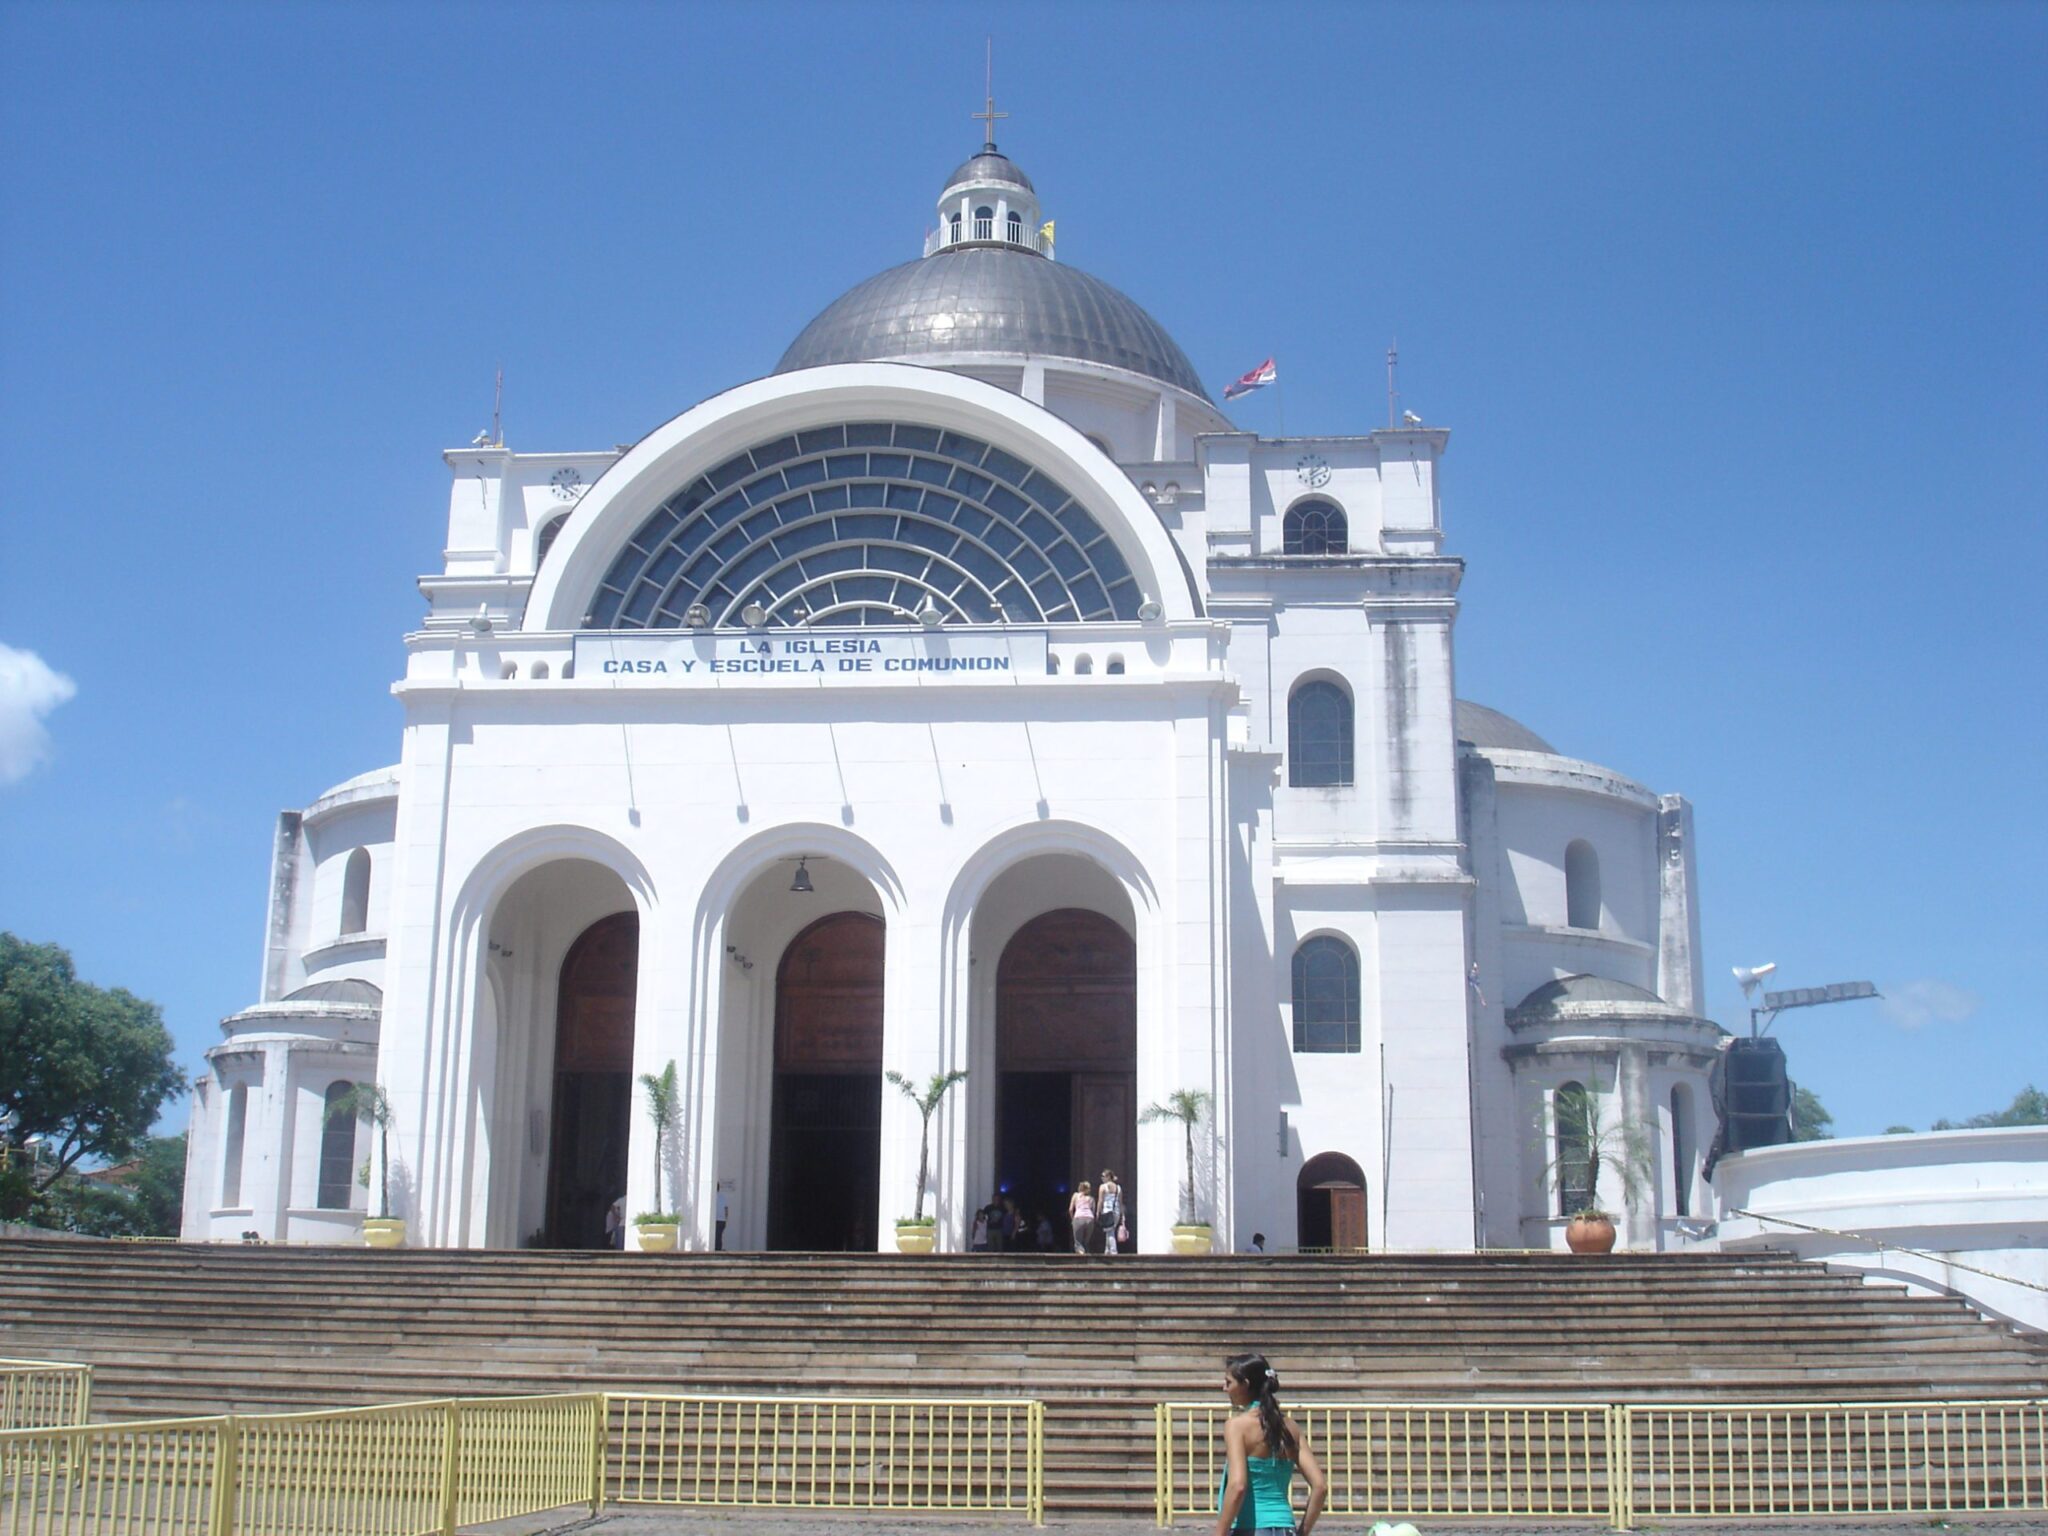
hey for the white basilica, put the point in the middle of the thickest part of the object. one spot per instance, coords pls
(967, 693)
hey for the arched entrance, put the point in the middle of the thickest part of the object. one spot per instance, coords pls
(1067, 1051)
(593, 1097)
(825, 1142)
(1329, 1203)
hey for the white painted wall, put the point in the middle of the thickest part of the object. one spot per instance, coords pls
(1975, 1197)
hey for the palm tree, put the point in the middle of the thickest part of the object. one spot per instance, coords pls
(1588, 1138)
(366, 1102)
(1185, 1107)
(928, 1101)
(664, 1101)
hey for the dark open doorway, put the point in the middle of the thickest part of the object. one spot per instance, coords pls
(1329, 1204)
(593, 1090)
(1067, 1047)
(825, 1141)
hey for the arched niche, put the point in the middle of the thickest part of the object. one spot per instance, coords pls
(1329, 1204)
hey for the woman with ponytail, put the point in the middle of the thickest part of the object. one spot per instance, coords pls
(1263, 1448)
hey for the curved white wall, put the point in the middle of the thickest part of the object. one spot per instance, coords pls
(1977, 1197)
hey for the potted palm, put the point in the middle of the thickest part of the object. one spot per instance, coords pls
(1185, 1107)
(1589, 1139)
(660, 1230)
(918, 1233)
(366, 1102)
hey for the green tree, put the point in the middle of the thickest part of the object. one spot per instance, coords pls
(664, 1107)
(1898, 1130)
(144, 1197)
(85, 1068)
(1185, 1107)
(927, 1101)
(2029, 1107)
(1810, 1118)
(366, 1102)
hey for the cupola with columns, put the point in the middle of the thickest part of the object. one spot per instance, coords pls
(988, 201)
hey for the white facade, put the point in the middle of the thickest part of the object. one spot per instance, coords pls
(961, 714)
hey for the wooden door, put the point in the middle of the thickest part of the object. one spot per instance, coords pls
(1347, 1217)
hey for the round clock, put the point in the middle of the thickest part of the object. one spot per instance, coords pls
(567, 482)
(1313, 471)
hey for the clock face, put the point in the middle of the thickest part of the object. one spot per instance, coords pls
(1313, 471)
(567, 482)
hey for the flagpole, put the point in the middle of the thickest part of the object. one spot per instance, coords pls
(1279, 399)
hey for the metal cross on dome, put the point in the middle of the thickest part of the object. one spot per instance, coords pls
(989, 115)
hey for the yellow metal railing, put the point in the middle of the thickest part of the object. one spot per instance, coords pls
(407, 1469)
(959, 1455)
(1413, 1460)
(1620, 1462)
(1728, 1460)
(44, 1394)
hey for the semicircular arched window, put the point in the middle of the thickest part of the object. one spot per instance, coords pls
(1314, 528)
(1319, 736)
(864, 523)
(1326, 995)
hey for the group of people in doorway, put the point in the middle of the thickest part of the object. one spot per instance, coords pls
(1098, 1221)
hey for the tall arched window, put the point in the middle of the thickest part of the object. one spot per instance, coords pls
(984, 223)
(1681, 1151)
(1319, 736)
(952, 229)
(1314, 528)
(231, 1147)
(337, 1150)
(1326, 996)
(1581, 885)
(1571, 1110)
(1016, 229)
(355, 892)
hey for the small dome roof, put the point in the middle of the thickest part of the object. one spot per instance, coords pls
(990, 165)
(1585, 989)
(1481, 727)
(990, 299)
(352, 990)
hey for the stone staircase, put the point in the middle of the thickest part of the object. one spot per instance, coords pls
(177, 1329)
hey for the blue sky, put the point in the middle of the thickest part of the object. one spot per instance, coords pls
(1736, 314)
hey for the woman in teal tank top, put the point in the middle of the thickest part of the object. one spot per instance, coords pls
(1263, 1448)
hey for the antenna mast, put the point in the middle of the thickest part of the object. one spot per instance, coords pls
(1392, 357)
(498, 411)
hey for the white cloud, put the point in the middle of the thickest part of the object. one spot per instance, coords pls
(29, 690)
(1916, 1004)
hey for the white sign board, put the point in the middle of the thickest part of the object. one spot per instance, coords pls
(671, 658)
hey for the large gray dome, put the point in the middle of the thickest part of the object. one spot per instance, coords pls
(990, 299)
(1482, 727)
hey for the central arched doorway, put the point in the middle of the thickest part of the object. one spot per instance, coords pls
(1067, 1051)
(1329, 1204)
(825, 1140)
(593, 1097)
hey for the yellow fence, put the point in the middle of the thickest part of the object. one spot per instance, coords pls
(44, 1394)
(1620, 1462)
(1414, 1460)
(408, 1469)
(963, 1456)
(1738, 1460)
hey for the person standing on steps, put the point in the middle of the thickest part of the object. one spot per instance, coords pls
(1109, 1198)
(1081, 1212)
(723, 1209)
(1263, 1449)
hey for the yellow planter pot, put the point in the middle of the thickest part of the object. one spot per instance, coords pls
(1199, 1238)
(384, 1231)
(659, 1236)
(916, 1239)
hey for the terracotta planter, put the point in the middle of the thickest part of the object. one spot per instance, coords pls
(916, 1237)
(384, 1231)
(659, 1236)
(1197, 1237)
(1590, 1234)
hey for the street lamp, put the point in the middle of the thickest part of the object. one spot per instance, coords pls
(1774, 1003)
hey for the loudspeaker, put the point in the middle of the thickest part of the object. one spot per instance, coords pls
(1755, 1096)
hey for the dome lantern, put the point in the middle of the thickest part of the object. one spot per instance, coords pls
(988, 201)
